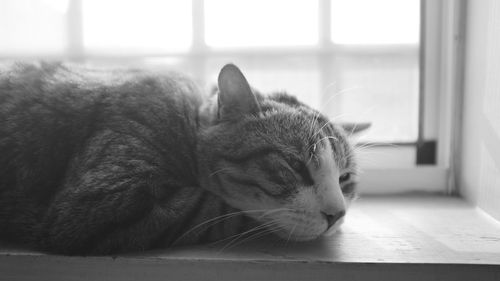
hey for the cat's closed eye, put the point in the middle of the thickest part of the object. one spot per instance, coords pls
(300, 168)
(344, 177)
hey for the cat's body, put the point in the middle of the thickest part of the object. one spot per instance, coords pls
(98, 162)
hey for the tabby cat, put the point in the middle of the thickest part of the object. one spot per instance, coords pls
(97, 162)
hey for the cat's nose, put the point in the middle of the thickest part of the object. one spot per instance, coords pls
(331, 219)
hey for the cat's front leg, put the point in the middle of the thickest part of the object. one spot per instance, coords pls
(79, 219)
(114, 184)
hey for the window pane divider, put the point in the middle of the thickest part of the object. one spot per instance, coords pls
(198, 54)
(75, 49)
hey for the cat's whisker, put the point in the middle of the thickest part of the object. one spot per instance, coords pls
(274, 211)
(332, 121)
(372, 145)
(311, 156)
(327, 87)
(351, 154)
(216, 220)
(368, 151)
(367, 155)
(339, 116)
(238, 236)
(318, 131)
(360, 147)
(364, 149)
(270, 228)
(221, 218)
(323, 138)
(324, 106)
(352, 131)
(336, 94)
(313, 122)
(234, 235)
(360, 117)
(291, 233)
(257, 235)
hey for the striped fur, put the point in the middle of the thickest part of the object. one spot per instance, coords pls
(101, 162)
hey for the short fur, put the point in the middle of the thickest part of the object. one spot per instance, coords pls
(110, 161)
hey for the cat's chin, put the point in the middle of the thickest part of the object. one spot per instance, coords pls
(298, 238)
(305, 238)
(302, 237)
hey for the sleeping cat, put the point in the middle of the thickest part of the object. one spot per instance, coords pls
(100, 162)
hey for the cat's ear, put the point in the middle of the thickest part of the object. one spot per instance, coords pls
(355, 128)
(235, 95)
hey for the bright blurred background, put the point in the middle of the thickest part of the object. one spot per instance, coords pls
(356, 60)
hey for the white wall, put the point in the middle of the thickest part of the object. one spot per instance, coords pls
(480, 167)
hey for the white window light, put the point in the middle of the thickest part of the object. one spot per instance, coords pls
(130, 26)
(261, 23)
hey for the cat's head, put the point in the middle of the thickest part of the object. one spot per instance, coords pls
(276, 158)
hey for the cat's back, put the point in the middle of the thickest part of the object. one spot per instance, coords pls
(75, 89)
(50, 111)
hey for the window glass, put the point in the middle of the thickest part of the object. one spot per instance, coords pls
(137, 26)
(32, 27)
(375, 22)
(255, 23)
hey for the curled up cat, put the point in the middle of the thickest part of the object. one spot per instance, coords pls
(97, 162)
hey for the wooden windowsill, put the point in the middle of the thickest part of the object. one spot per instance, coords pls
(413, 237)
